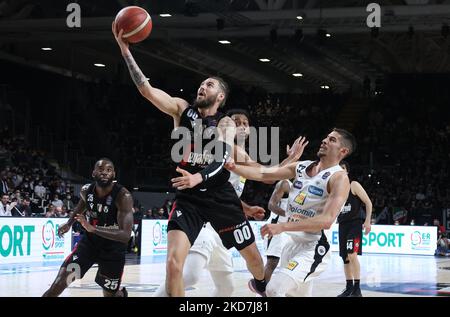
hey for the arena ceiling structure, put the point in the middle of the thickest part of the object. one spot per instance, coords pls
(326, 42)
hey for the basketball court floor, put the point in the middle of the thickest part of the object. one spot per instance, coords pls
(383, 275)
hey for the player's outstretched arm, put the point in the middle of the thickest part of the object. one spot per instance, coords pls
(295, 151)
(171, 105)
(262, 173)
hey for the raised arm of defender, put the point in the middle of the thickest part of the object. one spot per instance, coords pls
(241, 157)
(262, 173)
(339, 187)
(173, 106)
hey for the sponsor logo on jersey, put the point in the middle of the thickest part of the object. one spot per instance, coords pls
(321, 250)
(298, 184)
(346, 209)
(326, 175)
(315, 190)
(300, 199)
(179, 213)
(109, 200)
(294, 218)
(304, 212)
(292, 265)
(200, 158)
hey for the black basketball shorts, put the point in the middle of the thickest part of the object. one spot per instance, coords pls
(109, 255)
(219, 206)
(350, 238)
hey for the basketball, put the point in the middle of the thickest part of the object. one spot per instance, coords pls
(135, 22)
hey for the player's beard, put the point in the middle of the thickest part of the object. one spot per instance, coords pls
(206, 102)
(101, 183)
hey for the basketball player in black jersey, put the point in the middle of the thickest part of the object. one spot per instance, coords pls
(350, 234)
(203, 191)
(108, 206)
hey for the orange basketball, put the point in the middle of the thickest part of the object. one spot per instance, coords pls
(135, 22)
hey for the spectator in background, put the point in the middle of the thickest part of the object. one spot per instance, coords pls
(17, 196)
(57, 202)
(24, 208)
(15, 212)
(148, 214)
(51, 212)
(4, 187)
(68, 203)
(40, 190)
(63, 212)
(158, 213)
(5, 206)
(26, 188)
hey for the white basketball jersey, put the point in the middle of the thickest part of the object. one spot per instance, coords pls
(238, 183)
(283, 205)
(308, 196)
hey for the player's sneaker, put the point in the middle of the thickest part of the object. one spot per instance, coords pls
(252, 287)
(346, 292)
(356, 292)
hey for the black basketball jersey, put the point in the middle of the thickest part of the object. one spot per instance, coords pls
(102, 211)
(351, 210)
(193, 161)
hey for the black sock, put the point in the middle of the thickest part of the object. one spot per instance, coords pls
(260, 285)
(349, 284)
(356, 285)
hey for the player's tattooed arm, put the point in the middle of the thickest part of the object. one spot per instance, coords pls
(172, 106)
(125, 221)
(138, 77)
